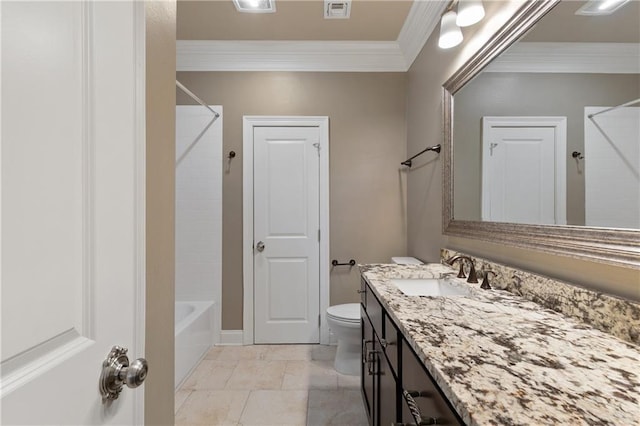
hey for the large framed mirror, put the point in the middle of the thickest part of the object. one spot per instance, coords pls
(542, 149)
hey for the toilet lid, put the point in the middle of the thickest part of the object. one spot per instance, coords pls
(347, 312)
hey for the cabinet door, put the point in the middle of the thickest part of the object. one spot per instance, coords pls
(368, 383)
(391, 346)
(388, 394)
(430, 402)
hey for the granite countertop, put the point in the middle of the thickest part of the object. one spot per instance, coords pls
(503, 360)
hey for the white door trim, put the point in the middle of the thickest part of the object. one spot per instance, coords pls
(560, 126)
(140, 197)
(248, 123)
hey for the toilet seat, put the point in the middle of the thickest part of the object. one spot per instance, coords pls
(348, 313)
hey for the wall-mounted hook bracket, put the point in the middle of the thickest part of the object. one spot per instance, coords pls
(577, 155)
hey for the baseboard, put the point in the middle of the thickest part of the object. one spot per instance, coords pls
(231, 337)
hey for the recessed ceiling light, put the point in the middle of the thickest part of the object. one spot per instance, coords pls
(600, 7)
(337, 9)
(255, 6)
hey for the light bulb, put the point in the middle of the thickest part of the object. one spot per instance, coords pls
(469, 12)
(450, 34)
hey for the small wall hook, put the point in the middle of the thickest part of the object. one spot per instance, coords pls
(577, 154)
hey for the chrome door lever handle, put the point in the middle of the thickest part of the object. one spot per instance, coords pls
(116, 372)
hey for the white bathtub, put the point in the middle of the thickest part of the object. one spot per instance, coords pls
(194, 335)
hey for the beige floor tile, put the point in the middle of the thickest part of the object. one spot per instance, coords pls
(343, 407)
(212, 408)
(214, 353)
(275, 407)
(257, 374)
(287, 352)
(348, 382)
(310, 375)
(236, 353)
(210, 374)
(180, 397)
(323, 352)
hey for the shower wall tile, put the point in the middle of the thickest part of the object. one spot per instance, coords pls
(198, 204)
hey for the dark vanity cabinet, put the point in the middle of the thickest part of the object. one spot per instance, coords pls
(389, 367)
(379, 379)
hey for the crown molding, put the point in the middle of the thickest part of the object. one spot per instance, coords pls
(600, 58)
(343, 56)
(422, 19)
(338, 56)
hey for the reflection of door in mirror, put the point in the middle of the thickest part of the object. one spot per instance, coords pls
(612, 167)
(523, 170)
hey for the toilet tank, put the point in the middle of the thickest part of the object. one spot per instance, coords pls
(406, 261)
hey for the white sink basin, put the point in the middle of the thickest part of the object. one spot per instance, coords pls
(435, 287)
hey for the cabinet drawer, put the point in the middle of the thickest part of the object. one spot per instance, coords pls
(430, 402)
(391, 346)
(374, 310)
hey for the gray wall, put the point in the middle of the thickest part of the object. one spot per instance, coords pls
(424, 186)
(535, 94)
(160, 255)
(367, 137)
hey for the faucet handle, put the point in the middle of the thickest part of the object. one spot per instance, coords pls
(485, 280)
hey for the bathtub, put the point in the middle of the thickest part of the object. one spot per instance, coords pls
(194, 336)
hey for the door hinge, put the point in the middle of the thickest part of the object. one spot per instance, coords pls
(318, 235)
(319, 320)
(492, 146)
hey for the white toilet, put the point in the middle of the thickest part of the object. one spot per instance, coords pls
(344, 322)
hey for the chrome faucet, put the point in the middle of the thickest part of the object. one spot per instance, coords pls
(473, 278)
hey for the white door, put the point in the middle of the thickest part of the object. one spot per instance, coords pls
(72, 208)
(612, 167)
(523, 170)
(286, 235)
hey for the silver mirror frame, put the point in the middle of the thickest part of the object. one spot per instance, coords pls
(620, 247)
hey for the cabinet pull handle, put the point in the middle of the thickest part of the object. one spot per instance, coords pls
(371, 361)
(415, 411)
(365, 351)
(384, 343)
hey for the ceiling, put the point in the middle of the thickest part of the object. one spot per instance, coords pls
(301, 20)
(563, 25)
(381, 36)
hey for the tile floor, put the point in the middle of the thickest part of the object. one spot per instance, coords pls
(267, 385)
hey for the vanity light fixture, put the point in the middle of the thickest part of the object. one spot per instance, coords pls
(255, 6)
(469, 12)
(600, 7)
(450, 34)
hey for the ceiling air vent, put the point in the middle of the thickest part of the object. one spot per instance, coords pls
(334, 9)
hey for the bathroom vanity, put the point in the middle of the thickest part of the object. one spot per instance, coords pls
(492, 356)
(389, 367)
